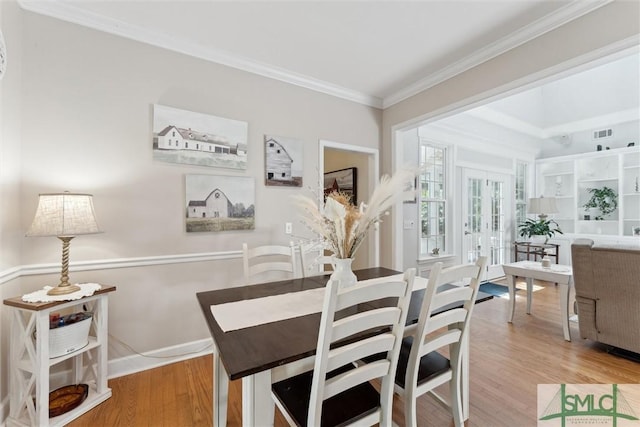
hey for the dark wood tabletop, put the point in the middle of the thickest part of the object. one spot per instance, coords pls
(250, 350)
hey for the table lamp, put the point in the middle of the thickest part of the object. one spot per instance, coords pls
(64, 215)
(542, 206)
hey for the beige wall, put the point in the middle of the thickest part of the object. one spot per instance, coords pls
(76, 113)
(11, 234)
(86, 105)
(567, 46)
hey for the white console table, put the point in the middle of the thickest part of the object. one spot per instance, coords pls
(30, 365)
(560, 274)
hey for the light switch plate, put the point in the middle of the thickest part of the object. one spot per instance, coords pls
(288, 228)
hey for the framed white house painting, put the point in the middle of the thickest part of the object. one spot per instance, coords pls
(181, 136)
(283, 161)
(219, 203)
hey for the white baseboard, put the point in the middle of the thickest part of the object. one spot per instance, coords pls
(163, 356)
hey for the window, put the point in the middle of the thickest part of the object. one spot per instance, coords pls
(521, 192)
(432, 199)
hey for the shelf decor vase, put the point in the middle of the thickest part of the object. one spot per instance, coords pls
(343, 272)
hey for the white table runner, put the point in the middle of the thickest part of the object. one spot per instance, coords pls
(236, 315)
(251, 312)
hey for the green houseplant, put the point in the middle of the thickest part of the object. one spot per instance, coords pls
(539, 227)
(605, 199)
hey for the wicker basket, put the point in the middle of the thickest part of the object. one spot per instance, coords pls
(69, 338)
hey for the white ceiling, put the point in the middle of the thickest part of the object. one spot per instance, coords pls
(604, 95)
(373, 52)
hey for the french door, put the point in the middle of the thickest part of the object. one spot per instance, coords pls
(486, 217)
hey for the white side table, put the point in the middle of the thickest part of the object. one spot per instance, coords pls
(30, 365)
(560, 274)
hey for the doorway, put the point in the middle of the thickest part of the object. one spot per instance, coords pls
(486, 216)
(335, 156)
(454, 131)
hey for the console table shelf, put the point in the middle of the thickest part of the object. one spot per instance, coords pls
(30, 364)
(527, 251)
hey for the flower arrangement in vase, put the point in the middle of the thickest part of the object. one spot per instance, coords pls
(342, 226)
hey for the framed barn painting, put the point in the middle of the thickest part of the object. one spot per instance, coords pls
(219, 203)
(343, 180)
(283, 161)
(181, 136)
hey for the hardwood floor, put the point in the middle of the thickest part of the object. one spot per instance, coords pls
(507, 363)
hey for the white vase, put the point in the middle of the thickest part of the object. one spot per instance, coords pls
(342, 272)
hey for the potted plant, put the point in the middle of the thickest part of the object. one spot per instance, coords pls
(605, 199)
(539, 227)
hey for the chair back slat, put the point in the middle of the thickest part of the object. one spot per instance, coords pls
(444, 339)
(356, 376)
(450, 296)
(269, 250)
(458, 273)
(373, 319)
(393, 293)
(370, 290)
(270, 266)
(353, 352)
(446, 319)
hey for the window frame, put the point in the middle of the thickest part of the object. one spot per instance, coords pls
(442, 235)
(521, 182)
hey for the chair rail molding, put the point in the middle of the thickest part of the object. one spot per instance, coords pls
(106, 264)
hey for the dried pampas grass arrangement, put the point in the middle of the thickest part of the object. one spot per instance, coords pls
(343, 226)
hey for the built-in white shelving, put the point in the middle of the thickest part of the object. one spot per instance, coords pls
(569, 179)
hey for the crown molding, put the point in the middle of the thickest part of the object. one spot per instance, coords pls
(508, 122)
(68, 12)
(611, 119)
(527, 33)
(464, 138)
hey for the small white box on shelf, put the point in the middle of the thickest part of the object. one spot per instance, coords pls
(70, 337)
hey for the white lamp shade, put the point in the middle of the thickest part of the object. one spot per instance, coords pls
(64, 214)
(542, 205)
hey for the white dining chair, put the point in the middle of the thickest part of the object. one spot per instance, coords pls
(421, 368)
(260, 260)
(313, 262)
(337, 391)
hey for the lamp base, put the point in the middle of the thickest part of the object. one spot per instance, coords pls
(63, 290)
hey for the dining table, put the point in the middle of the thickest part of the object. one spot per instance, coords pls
(277, 342)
